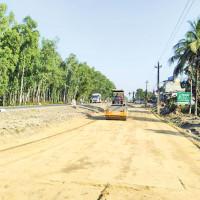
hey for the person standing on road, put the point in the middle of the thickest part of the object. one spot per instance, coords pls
(74, 103)
(81, 101)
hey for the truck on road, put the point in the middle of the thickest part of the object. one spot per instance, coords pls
(96, 98)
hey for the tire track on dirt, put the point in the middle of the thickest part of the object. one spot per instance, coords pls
(104, 192)
(39, 141)
(45, 138)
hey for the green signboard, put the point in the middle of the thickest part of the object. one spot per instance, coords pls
(183, 97)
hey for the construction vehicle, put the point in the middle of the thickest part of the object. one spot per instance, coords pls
(118, 108)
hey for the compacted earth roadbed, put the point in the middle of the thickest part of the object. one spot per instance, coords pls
(94, 158)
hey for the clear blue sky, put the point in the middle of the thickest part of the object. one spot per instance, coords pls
(122, 39)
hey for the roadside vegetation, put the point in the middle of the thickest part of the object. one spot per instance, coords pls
(31, 72)
(141, 95)
(187, 59)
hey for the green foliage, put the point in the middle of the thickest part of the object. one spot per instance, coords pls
(184, 109)
(171, 104)
(31, 73)
(187, 56)
(140, 94)
(151, 96)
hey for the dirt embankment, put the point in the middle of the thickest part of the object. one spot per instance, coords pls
(18, 123)
(190, 124)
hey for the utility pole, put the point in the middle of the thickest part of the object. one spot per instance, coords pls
(133, 96)
(146, 93)
(158, 88)
(129, 95)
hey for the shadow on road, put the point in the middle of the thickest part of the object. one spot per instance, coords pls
(138, 111)
(93, 108)
(95, 117)
(131, 106)
(165, 132)
(144, 119)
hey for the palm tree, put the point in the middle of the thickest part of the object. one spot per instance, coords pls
(187, 55)
(184, 56)
(194, 35)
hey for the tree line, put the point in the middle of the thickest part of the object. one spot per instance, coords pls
(187, 59)
(31, 72)
(142, 95)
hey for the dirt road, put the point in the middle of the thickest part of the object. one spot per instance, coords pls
(141, 158)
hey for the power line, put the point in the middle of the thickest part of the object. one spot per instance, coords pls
(150, 73)
(169, 71)
(174, 32)
(179, 23)
(183, 18)
(152, 78)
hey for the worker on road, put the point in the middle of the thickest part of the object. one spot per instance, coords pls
(74, 103)
(116, 99)
(120, 100)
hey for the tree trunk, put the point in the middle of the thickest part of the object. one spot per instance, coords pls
(3, 99)
(38, 94)
(22, 82)
(64, 96)
(25, 99)
(21, 89)
(44, 97)
(190, 110)
(196, 89)
(28, 95)
(9, 98)
(15, 98)
(49, 95)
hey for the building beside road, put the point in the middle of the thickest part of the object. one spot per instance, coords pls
(170, 88)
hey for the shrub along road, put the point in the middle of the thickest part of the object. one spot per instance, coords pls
(141, 158)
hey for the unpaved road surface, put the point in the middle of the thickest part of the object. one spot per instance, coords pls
(141, 158)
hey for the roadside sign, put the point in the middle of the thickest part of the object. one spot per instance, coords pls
(171, 78)
(183, 97)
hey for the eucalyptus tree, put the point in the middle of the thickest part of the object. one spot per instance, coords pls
(28, 50)
(30, 73)
(101, 84)
(10, 45)
(4, 25)
(8, 49)
(63, 67)
(4, 20)
(72, 77)
(84, 74)
(50, 70)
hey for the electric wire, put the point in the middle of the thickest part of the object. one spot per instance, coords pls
(183, 19)
(168, 70)
(174, 32)
(172, 35)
